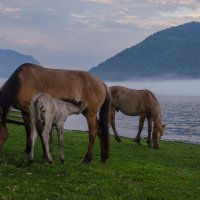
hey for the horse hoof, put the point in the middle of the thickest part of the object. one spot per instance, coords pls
(50, 161)
(137, 141)
(30, 162)
(62, 161)
(118, 139)
(86, 161)
(103, 160)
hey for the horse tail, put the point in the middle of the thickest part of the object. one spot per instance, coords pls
(37, 110)
(104, 116)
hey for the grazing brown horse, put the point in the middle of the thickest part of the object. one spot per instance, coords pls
(29, 80)
(141, 103)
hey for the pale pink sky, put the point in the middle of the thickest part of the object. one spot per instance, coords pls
(80, 34)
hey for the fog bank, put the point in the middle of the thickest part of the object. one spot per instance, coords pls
(169, 87)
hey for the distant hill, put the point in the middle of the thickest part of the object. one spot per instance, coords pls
(10, 60)
(171, 53)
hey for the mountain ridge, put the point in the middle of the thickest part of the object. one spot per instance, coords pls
(170, 53)
(11, 59)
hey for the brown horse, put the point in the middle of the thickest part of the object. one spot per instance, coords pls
(141, 103)
(29, 80)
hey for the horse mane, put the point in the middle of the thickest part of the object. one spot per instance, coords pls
(155, 108)
(8, 92)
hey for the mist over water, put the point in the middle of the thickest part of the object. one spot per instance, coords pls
(169, 87)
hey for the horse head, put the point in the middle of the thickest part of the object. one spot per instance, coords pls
(3, 130)
(157, 134)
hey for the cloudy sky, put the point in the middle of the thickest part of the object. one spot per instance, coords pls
(80, 34)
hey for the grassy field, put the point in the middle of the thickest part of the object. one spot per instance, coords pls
(132, 172)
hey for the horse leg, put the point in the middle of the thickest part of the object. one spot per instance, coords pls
(92, 125)
(112, 122)
(155, 137)
(3, 135)
(27, 124)
(149, 121)
(60, 141)
(99, 132)
(33, 138)
(50, 138)
(45, 141)
(140, 127)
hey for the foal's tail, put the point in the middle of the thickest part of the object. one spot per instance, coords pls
(104, 116)
(37, 113)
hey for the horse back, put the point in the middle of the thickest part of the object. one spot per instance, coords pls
(132, 102)
(60, 84)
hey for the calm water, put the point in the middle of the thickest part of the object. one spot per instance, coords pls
(180, 113)
(180, 105)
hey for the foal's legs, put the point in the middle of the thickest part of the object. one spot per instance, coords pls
(50, 138)
(45, 141)
(112, 122)
(92, 125)
(59, 129)
(149, 121)
(140, 127)
(32, 138)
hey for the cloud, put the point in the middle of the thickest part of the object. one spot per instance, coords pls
(175, 2)
(78, 27)
(12, 12)
(182, 12)
(30, 38)
(100, 1)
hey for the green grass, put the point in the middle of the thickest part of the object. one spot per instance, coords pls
(132, 172)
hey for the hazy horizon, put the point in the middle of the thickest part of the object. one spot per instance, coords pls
(164, 87)
(179, 87)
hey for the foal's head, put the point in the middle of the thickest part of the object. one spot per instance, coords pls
(75, 107)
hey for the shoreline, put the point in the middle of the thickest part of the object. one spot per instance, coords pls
(143, 138)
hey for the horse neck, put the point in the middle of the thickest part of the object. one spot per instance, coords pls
(68, 108)
(61, 107)
(8, 94)
(156, 112)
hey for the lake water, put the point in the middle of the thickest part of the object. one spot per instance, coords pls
(180, 105)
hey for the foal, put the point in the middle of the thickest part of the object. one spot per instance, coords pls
(46, 112)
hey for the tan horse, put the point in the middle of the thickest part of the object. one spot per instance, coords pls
(141, 103)
(29, 80)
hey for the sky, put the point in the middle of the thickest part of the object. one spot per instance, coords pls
(79, 34)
